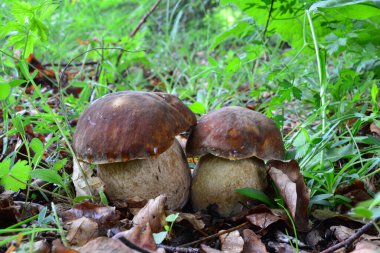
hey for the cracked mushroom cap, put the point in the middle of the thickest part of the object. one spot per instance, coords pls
(236, 133)
(130, 125)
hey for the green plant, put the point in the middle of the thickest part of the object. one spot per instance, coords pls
(160, 237)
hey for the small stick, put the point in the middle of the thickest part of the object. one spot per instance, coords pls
(215, 235)
(346, 243)
(178, 249)
(143, 19)
(137, 28)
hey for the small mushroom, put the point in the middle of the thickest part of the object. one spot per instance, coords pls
(232, 142)
(130, 136)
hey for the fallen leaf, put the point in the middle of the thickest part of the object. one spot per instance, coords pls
(341, 233)
(375, 130)
(207, 249)
(263, 220)
(366, 247)
(41, 247)
(81, 230)
(194, 219)
(287, 177)
(231, 242)
(252, 243)
(105, 217)
(141, 236)
(95, 184)
(153, 213)
(59, 248)
(9, 211)
(104, 244)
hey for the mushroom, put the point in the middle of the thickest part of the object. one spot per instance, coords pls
(232, 142)
(130, 137)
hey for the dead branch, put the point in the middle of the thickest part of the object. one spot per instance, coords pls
(346, 243)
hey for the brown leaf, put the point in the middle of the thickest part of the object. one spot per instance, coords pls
(207, 249)
(252, 243)
(81, 230)
(194, 219)
(104, 244)
(366, 247)
(264, 219)
(9, 212)
(152, 213)
(59, 248)
(287, 177)
(141, 236)
(106, 217)
(232, 242)
(375, 130)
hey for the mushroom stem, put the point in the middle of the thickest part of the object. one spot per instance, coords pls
(167, 174)
(215, 180)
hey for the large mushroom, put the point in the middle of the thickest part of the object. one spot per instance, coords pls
(130, 137)
(232, 142)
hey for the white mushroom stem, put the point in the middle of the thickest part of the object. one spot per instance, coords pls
(215, 180)
(166, 174)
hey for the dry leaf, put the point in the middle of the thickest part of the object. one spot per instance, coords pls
(252, 243)
(9, 212)
(104, 244)
(152, 213)
(366, 247)
(141, 236)
(287, 177)
(103, 215)
(207, 249)
(263, 220)
(59, 248)
(41, 247)
(375, 130)
(194, 219)
(232, 242)
(81, 230)
(95, 183)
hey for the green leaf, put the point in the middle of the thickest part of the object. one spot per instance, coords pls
(362, 212)
(197, 107)
(159, 237)
(359, 9)
(37, 146)
(256, 194)
(15, 83)
(374, 93)
(172, 217)
(50, 176)
(233, 65)
(20, 171)
(59, 165)
(5, 90)
(4, 167)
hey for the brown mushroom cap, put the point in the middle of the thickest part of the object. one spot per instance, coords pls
(236, 133)
(130, 125)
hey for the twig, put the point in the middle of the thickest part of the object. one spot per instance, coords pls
(138, 27)
(71, 64)
(143, 19)
(269, 16)
(215, 235)
(178, 249)
(346, 243)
